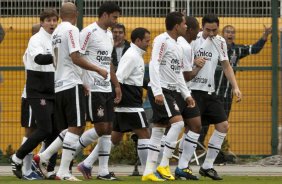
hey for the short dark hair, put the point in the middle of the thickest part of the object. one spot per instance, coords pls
(172, 19)
(210, 18)
(139, 33)
(50, 12)
(191, 22)
(108, 7)
(118, 26)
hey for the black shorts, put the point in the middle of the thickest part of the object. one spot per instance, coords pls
(210, 106)
(100, 107)
(70, 110)
(43, 113)
(163, 113)
(128, 121)
(27, 118)
(187, 112)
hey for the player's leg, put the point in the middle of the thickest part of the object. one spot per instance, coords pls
(75, 114)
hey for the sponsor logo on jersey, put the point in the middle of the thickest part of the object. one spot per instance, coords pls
(175, 65)
(200, 80)
(161, 52)
(71, 38)
(85, 41)
(202, 53)
(103, 58)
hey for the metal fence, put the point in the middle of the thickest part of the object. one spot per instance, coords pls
(251, 121)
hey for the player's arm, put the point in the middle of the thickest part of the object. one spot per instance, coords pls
(199, 63)
(159, 48)
(257, 47)
(125, 67)
(43, 59)
(185, 92)
(116, 84)
(83, 63)
(229, 73)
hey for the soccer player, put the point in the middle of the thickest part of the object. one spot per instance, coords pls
(165, 79)
(235, 53)
(120, 43)
(70, 99)
(213, 48)
(192, 117)
(97, 46)
(39, 92)
(129, 113)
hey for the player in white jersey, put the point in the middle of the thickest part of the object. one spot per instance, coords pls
(129, 113)
(70, 99)
(165, 78)
(191, 116)
(97, 46)
(38, 94)
(213, 48)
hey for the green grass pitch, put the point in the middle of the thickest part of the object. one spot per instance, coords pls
(133, 180)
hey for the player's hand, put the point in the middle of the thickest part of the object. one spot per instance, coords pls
(118, 95)
(86, 89)
(103, 73)
(238, 94)
(199, 62)
(267, 32)
(159, 99)
(190, 102)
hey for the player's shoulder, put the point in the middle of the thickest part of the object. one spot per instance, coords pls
(219, 39)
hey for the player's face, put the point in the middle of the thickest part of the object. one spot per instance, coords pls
(49, 24)
(229, 35)
(112, 19)
(193, 32)
(182, 27)
(210, 30)
(118, 34)
(145, 43)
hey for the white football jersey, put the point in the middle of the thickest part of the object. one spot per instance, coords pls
(65, 40)
(97, 46)
(39, 43)
(188, 56)
(213, 50)
(165, 66)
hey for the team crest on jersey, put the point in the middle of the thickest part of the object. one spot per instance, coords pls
(175, 106)
(100, 112)
(42, 102)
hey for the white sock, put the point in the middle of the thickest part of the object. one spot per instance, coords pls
(161, 152)
(180, 146)
(26, 169)
(142, 149)
(170, 142)
(53, 147)
(104, 146)
(214, 147)
(69, 147)
(87, 138)
(153, 149)
(189, 146)
(92, 157)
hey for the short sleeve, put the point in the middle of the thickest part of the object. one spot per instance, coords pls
(73, 39)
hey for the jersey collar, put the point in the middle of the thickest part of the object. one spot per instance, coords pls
(42, 30)
(140, 51)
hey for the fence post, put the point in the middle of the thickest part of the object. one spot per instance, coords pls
(274, 100)
(79, 4)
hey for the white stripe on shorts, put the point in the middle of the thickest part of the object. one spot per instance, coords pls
(78, 123)
(167, 108)
(90, 106)
(30, 116)
(142, 120)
